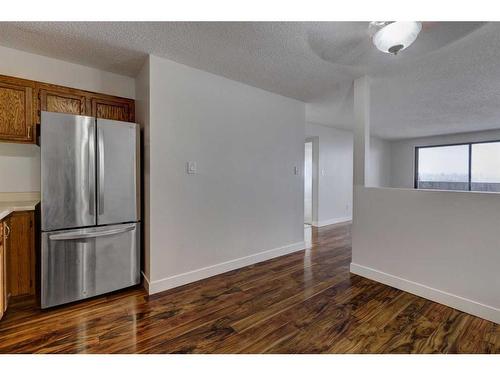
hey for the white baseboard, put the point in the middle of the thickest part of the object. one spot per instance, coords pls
(336, 220)
(146, 281)
(202, 273)
(436, 295)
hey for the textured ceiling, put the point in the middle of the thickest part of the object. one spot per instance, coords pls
(446, 82)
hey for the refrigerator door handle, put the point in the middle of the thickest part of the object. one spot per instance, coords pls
(100, 136)
(91, 175)
(76, 236)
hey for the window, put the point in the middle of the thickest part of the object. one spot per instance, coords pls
(443, 168)
(485, 167)
(469, 166)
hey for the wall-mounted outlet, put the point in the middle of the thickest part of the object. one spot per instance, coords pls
(296, 171)
(191, 167)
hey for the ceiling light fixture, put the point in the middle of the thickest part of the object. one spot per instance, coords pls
(393, 37)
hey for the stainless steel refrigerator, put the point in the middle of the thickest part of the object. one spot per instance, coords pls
(90, 207)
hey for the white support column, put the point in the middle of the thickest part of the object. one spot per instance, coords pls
(361, 157)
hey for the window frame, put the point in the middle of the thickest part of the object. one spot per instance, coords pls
(417, 148)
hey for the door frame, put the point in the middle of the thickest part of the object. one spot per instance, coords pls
(315, 178)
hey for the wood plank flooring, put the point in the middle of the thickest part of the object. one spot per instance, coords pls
(305, 302)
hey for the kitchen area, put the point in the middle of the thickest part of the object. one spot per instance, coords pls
(80, 235)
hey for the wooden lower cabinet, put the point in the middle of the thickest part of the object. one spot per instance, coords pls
(3, 278)
(21, 254)
(17, 257)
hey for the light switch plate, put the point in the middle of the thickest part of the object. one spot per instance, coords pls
(296, 171)
(191, 167)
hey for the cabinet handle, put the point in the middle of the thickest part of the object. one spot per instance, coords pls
(29, 132)
(7, 234)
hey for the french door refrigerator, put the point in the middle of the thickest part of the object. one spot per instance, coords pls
(90, 207)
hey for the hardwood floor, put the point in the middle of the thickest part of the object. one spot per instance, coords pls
(305, 302)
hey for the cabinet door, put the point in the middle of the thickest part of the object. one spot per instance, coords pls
(62, 101)
(21, 257)
(3, 290)
(113, 109)
(16, 110)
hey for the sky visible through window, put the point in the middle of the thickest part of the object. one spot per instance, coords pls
(450, 163)
(447, 167)
(486, 162)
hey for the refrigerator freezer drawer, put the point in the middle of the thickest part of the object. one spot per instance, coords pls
(77, 264)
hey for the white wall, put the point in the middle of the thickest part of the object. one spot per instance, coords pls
(440, 245)
(379, 172)
(334, 174)
(20, 168)
(45, 69)
(403, 153)
(245, 204)
(20, 162)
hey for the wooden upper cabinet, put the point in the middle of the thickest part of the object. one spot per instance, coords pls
(63, 101)
(113, 109)
(21, 102)
(16, 110)
(78, 102)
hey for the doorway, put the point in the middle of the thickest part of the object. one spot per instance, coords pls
(308, 182)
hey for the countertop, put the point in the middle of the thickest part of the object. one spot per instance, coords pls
(11, 202)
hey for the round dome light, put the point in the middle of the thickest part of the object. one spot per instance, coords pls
(396, 36)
